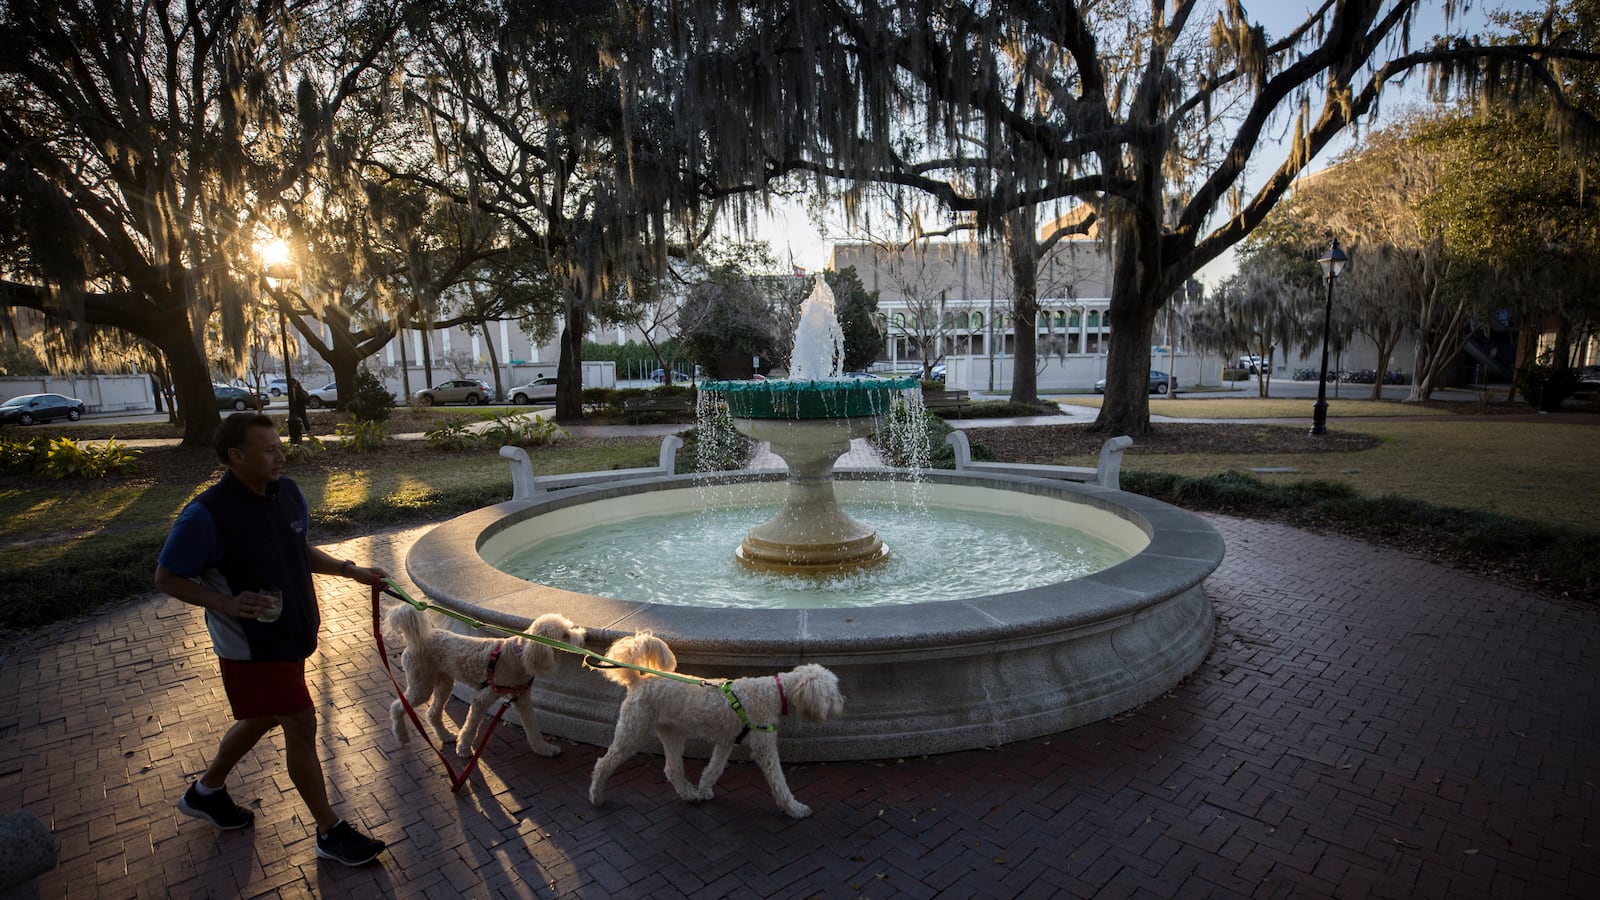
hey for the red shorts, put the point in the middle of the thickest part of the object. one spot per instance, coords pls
(257, 689)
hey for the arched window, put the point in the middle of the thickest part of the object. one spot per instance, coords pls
(1074, 321)
(1094, 318)
(900, 320)
(1061, 318)
(977, 320)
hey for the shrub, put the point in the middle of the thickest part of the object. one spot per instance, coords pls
(1544, 386)
(371, 401)
(912, 437)
(361, 436)
(23, 457)
(308, 447)
(111, 457)
(454, 434)
(596, 399)
(65, 459)
(61, 458)
(1235, 375)
(1006, 409)
(517, 430)
(714, 445)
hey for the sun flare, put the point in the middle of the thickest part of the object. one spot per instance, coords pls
(273, 252)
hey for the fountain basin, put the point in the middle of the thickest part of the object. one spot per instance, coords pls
(929, 677)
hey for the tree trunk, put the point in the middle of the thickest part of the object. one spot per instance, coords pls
(427, 356)
(196, 401)
(1136, 297)
(569, 369)
(494, 366)
(1022, 244)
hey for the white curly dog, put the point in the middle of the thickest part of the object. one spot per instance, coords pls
(677, 710)
(435, 659)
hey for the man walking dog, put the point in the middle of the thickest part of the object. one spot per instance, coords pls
(240, 552)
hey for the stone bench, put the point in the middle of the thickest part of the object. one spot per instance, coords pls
(637, 405)
(1107, 474)
(526, 486)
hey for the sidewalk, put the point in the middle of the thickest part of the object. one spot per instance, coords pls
(1368, 724)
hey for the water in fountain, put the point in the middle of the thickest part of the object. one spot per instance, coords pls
(662, 559)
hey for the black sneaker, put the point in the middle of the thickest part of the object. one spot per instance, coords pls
(349, 846)
(217, 808)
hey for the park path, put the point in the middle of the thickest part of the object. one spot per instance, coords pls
(1368, 724)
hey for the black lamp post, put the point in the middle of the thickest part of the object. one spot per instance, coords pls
(276, 273)
(1332, 266)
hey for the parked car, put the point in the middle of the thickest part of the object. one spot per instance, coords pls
(236, 398)
(1252, 364)
(277, 387)
(537, 389)
(26, 409)
(658, 375)
(327, 395)
(937, 372)
(1159, 384)
(470, 391)
(1588, 382)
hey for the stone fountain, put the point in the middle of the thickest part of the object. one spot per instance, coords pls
(930, 676)
(809, 420)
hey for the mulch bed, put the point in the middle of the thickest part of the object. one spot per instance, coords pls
(1047, 443)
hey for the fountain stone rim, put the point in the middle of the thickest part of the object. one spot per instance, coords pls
(1072, 652)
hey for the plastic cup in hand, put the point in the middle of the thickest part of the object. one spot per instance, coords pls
(271, 615)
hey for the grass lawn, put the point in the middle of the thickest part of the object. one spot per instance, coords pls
(1544, 473)
(69, 545)
(1274, 408)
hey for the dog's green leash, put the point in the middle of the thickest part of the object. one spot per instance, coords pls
(591, 658)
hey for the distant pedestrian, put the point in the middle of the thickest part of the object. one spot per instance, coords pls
(299, 402)
(240, 552)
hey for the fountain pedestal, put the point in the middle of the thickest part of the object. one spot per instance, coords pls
(811, 534)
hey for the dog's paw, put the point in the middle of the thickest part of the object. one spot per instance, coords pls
(597, 797)
(544, 748)
(699, 794)
(798, 810)
(463, 749)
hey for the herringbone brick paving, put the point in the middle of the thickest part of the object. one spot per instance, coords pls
(1368, 724)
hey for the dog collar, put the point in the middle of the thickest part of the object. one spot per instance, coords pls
(494, 656)
(782, 697)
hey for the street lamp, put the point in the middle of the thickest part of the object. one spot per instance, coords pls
(276, 256)
(1332, 267)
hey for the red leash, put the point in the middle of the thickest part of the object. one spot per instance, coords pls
(456, 781)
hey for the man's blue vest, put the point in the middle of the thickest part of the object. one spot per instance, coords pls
(264, 545)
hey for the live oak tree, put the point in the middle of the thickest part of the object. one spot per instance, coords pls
(1153, 115)
(558, 119)
(138, 142)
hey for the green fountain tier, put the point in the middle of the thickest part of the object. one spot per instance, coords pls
(832, 398)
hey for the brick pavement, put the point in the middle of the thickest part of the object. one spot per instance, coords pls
(1368, 724)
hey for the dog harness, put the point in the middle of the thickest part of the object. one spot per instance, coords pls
(738, 709)
(494, 656)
